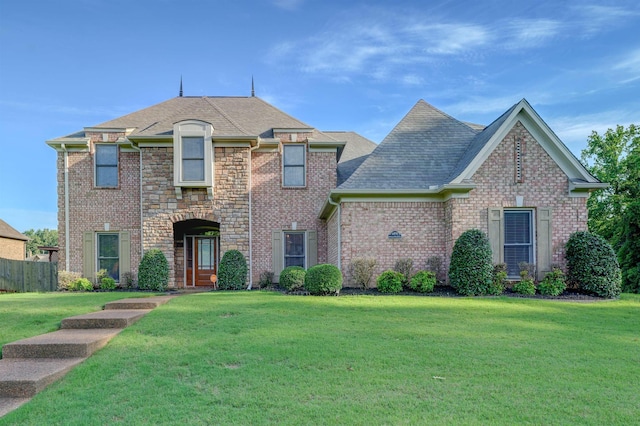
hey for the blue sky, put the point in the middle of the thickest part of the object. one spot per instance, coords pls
(336, 65)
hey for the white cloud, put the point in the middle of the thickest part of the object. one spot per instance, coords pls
(595, 18)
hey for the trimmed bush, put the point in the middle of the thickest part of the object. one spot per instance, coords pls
(266, 279)
(66, 279)
(323, 279)
(553, 283)
(361, 270)
(499, 279)
(107, 283)
(102, 273)
(526, 284)
(404, 265)
(471, 267)
(390, 282)
(423, 281)
(292, 278)
(81, 284)
(232, 273)
(153, 272)
(593, 265)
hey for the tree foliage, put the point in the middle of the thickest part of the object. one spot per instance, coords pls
(41, 237)
(615, 158)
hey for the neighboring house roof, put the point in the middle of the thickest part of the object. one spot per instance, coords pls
(355, 151)
(7, 231)
(231, 117)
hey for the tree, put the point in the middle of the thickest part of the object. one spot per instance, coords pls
(41, 237)
(615, 158)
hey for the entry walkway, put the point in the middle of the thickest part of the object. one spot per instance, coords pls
(29, 365)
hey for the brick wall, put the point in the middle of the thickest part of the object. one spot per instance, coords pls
(12, 249)
(91, 208)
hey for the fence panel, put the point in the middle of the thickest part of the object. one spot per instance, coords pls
(24, 276)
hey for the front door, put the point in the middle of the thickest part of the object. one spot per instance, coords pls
(201, 260)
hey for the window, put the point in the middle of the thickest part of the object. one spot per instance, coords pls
(109, 254)
(192, 158)
(293, 165)
(518, 239)
(106, 163)
(294, 252)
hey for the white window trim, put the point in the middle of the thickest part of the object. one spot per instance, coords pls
(192, 128)
(95, 166)
(305, 245)
(305, 165)
(534, 239)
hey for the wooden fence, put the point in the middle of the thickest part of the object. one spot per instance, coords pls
(22, 275)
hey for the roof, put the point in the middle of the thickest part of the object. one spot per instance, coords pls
(421, 151)
(356, 150)
(7, 231)
(238, 116)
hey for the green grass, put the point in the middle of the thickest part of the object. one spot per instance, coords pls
(25, 315)
(268, 358)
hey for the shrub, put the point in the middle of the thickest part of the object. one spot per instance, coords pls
(153, 272)
(232, 273)
(434, 264)
(390, 282)
(81, 284)
(266, 279)
(292, 278)
(107, 283)
(323, 279)
(404, 265)
(66, 278)
(423, 281)
(361, 270)
(127, 280)
(102, 273)
(592, 264)
(526, 284)
(553, 283)
(499, 281)
(470, 270)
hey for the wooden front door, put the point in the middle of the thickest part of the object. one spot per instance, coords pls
(201, 259)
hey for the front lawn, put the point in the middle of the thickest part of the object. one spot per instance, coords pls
(268, 358)
(25, 315)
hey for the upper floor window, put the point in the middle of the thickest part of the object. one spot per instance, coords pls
(106, 165)
(192, 154)
(193, 158)
(294, 164)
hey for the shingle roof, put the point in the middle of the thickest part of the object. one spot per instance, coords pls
(355, 151)
(421, 151)
(7, 231)
(230, 116)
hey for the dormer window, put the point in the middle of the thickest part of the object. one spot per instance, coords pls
(193, 154)
(294, 165)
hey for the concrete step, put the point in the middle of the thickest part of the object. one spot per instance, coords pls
(139, 303)
(23, 378)
(113, 318)
(9, 404)
(60, 344)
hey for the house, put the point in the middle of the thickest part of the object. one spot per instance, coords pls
(13, 244)
(197, 176)
(433, 177)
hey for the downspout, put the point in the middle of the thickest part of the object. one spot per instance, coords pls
(141, 215)
(251, 219)
(66, 207)
(339, 205)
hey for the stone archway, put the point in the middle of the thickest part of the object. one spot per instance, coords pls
(196, 243)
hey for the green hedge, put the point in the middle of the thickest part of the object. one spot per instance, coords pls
(153, 272)
(471, 267)
(423, 281)
(592, 265)
(390, 282)
(292, 278)
(232, 273)
(323, 279)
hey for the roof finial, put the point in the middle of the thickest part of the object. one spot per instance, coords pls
(253, 91)
(180, 86)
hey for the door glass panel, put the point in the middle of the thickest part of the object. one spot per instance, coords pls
(205, 253)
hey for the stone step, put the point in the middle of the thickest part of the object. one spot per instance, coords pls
(23, 378)
(7, 405)
(60, 344)
(113, 318)
(139, 303)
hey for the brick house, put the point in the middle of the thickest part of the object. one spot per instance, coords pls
(433, 177)
(13, 244)
(197, 176)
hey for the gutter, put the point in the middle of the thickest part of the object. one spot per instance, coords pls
(141, 213)
(251, 149)
(339, 205)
